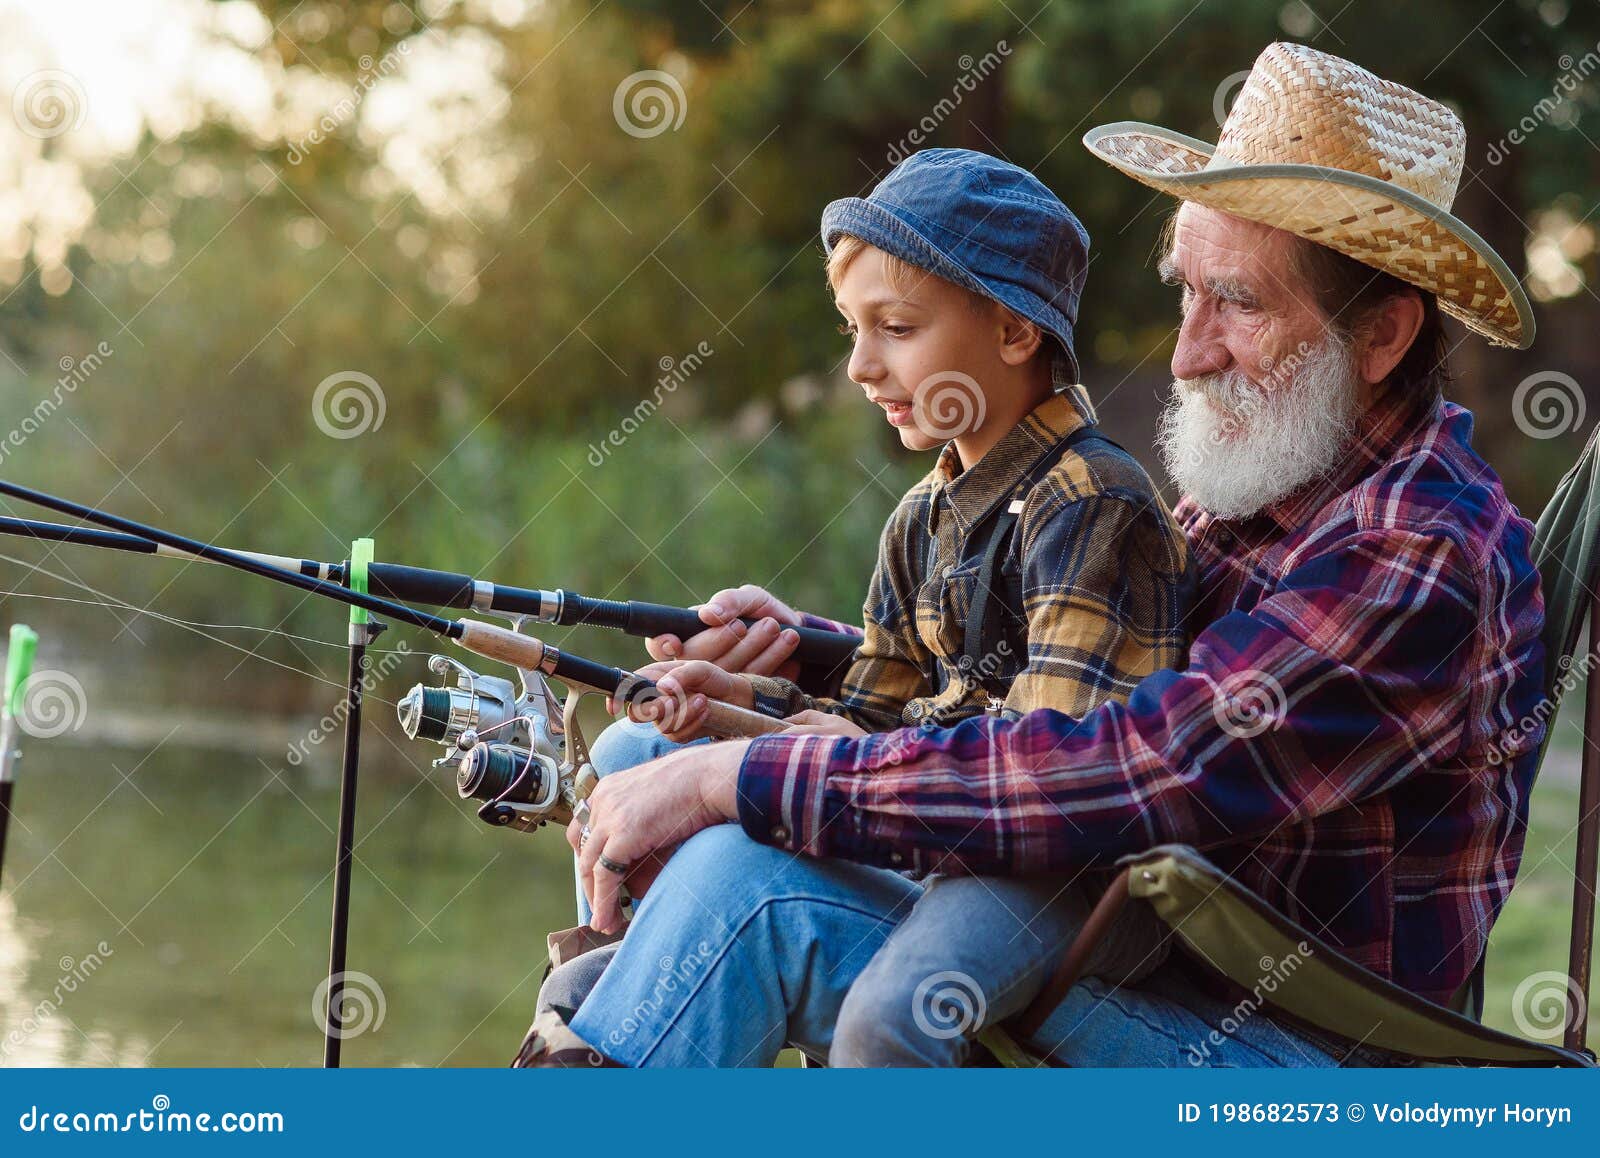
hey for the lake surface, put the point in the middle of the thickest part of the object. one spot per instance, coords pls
(169, 906)
(168, 882)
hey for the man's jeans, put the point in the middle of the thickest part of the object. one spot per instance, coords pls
(739, 949)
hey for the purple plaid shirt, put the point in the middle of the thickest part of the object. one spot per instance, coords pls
(1349, 740)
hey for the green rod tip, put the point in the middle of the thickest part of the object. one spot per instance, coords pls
(19, 664)
(360, 559)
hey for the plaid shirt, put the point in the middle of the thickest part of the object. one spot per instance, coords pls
(1350, 740)
(1104, 577)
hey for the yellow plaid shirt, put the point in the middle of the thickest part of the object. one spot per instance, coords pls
(1105, 580)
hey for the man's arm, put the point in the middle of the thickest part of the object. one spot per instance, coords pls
(1347, 679)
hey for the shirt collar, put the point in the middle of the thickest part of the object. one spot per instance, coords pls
(1386, 426)
(973, 493)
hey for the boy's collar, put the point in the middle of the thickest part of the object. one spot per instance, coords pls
(973, 493)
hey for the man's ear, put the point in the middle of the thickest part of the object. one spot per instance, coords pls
(1019, 338)
(1388, 335)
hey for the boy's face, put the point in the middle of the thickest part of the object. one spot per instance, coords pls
(923, 356)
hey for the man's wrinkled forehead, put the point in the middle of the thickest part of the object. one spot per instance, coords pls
(1209, 246)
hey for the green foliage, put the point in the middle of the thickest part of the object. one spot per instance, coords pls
(510, 330)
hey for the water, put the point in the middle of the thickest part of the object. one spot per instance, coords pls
(168, 881)
(169, 906)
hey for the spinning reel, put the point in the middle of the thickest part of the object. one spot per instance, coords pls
(534, 769)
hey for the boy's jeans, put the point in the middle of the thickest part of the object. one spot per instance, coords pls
(739, 949)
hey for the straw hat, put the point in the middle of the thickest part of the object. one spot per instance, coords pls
(1323, 148)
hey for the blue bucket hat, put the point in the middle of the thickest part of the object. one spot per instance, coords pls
(985, 225)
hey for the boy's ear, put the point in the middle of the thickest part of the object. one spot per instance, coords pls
(1019, 338)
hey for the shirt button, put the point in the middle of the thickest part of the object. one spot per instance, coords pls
(1224, 537)
(896, 858)
(780, 833)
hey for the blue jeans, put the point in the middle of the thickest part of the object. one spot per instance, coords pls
(739, 949)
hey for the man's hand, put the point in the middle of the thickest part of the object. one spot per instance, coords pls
(812, 723)
(685, 688)
(760, 650)
(639, 815)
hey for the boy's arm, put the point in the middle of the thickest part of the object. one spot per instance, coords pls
(1105, 589)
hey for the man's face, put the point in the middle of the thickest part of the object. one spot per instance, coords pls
(922, 355)
(1265, 392)
(1244, 308)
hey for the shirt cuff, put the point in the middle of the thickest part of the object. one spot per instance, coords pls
(781, 781)
(821, 624)
(776, 697)
(785, 800)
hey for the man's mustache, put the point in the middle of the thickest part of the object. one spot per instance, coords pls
(1229, 391)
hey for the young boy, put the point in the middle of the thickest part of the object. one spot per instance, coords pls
(1035, 566)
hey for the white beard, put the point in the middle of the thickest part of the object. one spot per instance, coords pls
(1236, 446)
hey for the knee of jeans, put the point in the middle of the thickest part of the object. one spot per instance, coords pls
(626, 744)
(880, 1025)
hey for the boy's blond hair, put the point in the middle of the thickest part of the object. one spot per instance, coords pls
(902, 276)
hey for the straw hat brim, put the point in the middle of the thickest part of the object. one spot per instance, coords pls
(1376, 222)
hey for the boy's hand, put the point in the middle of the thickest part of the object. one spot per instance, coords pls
(813, 723)
(760, 650)
(685, 687)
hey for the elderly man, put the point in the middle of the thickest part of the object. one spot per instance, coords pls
(1371, 633)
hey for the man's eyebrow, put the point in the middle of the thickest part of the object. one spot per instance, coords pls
(1169, 271)
(1231, 289)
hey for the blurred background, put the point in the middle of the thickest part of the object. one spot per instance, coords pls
(532, 290)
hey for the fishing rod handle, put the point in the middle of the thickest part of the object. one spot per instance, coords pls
(816, 646)
(733, 722)
(523, 651)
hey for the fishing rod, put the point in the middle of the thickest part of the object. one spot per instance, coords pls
(19, 665)
(454, 590)
(506, 645)
(535, 771)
